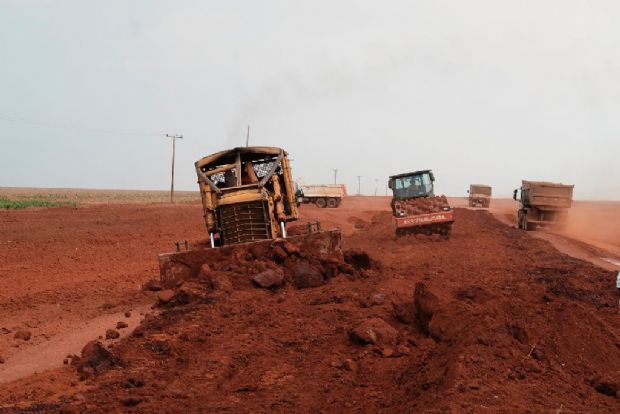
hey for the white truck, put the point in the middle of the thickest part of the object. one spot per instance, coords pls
(322, 195)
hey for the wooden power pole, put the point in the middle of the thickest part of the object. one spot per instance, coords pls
(174, 139)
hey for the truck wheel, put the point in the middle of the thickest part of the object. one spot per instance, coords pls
(520, 217)
(332, 203)
(320, 202)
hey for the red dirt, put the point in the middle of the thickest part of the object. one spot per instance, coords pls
(422, 205)
(500, 322)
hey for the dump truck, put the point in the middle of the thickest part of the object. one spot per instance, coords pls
(415, 208)
(543, 204)
(248, 198)
(322, 195)
(479, 195)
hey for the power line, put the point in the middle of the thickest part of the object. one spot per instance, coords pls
(25, 121)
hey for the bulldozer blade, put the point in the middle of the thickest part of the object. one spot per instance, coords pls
(176, 267)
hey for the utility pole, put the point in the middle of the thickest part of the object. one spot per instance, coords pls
(174, 139)
(359, 184)
(335, 170)
(376, 185)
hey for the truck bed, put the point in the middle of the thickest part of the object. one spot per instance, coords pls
(545, 195)
(324, 190)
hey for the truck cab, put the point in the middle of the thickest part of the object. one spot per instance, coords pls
(412, 185)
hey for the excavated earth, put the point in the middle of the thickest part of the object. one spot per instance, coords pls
(422, 205)
(491, 320)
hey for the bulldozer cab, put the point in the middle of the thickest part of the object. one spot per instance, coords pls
(247, 193)
(412, 185)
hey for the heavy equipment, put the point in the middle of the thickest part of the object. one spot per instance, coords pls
(322, 195)
(247, 194)
(415, 207)
(248, 197)
(543, 204)
(479, 195)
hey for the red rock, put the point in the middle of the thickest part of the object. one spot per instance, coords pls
(165, 296)
(426, 305)
(306, 276)
(291, 248)
(404, 312)
(279, 254)
(121, 325)
(269, 278)
(23, 335)
(349, 365)
(152, 285)
(374, 331)
(205, 269)
(220, 281)
(94, 358)
(112, 334)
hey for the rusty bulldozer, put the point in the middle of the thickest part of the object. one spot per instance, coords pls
(248, 194)
(248, 197)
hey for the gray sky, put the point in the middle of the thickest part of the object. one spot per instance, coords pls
(479, 91)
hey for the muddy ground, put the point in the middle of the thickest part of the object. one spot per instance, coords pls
(502, 321)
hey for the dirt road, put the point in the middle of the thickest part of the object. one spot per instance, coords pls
(515, 326)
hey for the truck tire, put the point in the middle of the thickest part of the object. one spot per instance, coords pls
(332, 203)
(320, 202)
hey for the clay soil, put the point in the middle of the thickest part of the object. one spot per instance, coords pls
(491, 320)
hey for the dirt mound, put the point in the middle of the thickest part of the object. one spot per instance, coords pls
(421, 205)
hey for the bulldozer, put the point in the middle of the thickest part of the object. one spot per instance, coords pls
(248, 194)
(248, 198)
(415, 207)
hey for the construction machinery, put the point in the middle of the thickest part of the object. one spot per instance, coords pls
(415, 207)
(248, 198)
(247, 194)
(543, 204)
(479, 195)
(322, 195)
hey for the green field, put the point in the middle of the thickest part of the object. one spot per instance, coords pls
(6, 203)
(18, 198)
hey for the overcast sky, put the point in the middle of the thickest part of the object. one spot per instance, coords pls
(479, 91)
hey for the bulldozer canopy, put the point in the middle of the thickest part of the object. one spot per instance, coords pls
(240, 166)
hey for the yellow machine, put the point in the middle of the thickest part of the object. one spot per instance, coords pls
(248, 194)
